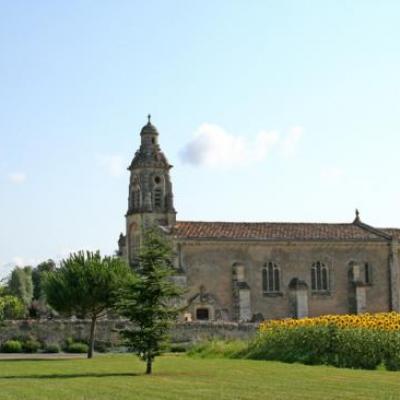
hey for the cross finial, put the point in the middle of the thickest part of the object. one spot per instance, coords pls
(357, 219)
(148, 118)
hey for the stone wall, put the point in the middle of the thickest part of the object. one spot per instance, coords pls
(57, 331)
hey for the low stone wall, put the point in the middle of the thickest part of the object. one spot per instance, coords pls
(58, 330)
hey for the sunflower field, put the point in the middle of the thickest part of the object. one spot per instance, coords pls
(381, 321)
(350, 341)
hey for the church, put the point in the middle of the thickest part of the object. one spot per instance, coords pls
(238, 271)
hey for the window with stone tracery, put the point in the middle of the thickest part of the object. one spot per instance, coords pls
(271, 278)
(319, 277)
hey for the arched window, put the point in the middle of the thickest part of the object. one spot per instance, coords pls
(157, 198)
(319, 277)
(271, 279)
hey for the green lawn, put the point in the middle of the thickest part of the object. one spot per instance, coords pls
(180, 377)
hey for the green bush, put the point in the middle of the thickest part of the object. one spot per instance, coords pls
(178, 348)
(102, 347)
(77, 348)
(31, 346)
(12, 346)
(52, 348)
(219, 348)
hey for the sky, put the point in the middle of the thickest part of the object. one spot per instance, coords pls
(268, 110)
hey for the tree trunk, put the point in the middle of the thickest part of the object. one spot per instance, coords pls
(148, 364)
(91, 338)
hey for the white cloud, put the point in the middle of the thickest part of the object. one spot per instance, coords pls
(18, 261)
(114, 164)
(332, 173)
(212, 146)
(290, 142)
(17, 177)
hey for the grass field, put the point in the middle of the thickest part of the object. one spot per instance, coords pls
(180, 377)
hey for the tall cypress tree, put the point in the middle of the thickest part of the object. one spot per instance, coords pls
(148, 299)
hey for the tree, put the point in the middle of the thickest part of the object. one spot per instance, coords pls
(39, 306)
(85, 285)
(147, 299)
(11, 307)
(37, 277)
(20, 284)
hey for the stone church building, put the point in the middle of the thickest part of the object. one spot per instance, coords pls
(253, 271)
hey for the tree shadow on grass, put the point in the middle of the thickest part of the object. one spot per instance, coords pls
(69, 376)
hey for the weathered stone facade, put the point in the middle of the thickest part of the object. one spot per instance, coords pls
(253, 271)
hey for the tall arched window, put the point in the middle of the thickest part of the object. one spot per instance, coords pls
(319, 277)
(271, 279)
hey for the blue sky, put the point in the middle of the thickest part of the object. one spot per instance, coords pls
(269, 111)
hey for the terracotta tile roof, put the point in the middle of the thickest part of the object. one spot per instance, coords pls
(272, 231)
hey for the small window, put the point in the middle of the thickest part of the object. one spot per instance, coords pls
(157, 198)
(157, 180)
(319, 277)
(271, 278)
(153, 140)
(367, 273)
(202, 314)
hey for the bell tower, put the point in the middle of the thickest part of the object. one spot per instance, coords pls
(150, 200)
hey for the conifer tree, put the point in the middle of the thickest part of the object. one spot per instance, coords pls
(148, 299)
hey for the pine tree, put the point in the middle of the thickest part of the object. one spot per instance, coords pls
(148, 299)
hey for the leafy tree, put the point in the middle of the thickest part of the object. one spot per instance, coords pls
(11, 307)
(20, 284)
(85, 285)
(39, 306)
(37, 277)
(147, 299)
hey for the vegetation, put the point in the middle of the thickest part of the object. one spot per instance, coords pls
(147, 300)
(30, 346)
(77, 347)
(11, 307)
(389, 321)
(20, 284)
(85, 285)
(12, 346)
(346, 341)
(52, 348)
(119, 377)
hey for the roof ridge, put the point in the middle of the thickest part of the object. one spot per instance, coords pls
(266, 222)
(371, 229)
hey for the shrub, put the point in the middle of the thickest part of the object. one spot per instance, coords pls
(178, 348)
(78, 348)
(31, 346)
(219, 348)
(12, 346)
(102, 347)
(52, 348)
